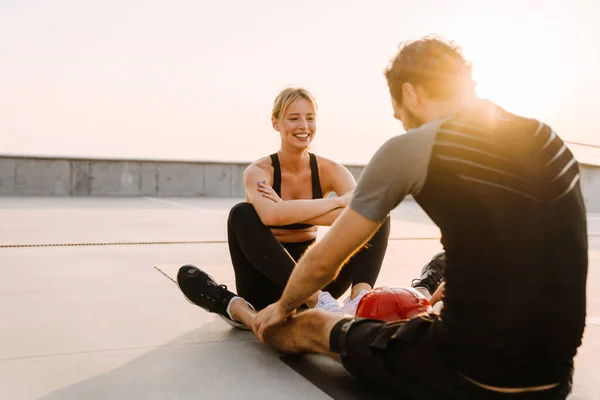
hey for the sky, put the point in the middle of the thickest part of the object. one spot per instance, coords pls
(196, 80)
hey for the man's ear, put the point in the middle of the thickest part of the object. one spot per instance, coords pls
(410, 96)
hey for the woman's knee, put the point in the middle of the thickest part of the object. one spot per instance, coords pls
(242, 212)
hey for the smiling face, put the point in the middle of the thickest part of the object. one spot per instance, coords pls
(297, 124)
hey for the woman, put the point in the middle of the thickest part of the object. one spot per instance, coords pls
(287, 197)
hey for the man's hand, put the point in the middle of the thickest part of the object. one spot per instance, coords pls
(267, 318)
(268, 192)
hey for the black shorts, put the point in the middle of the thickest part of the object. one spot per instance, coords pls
(405, 359)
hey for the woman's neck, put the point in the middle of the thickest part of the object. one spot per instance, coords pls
(293, 160)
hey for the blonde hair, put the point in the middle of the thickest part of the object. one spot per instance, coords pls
(289, 95)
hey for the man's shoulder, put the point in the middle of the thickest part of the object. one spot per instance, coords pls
(430, 127)
(415, 139)
(398, 169)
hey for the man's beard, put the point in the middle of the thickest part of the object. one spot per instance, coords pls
(411, 121)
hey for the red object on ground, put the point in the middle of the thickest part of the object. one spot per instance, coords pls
(393, 304)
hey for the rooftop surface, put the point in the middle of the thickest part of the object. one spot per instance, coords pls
(85, 315)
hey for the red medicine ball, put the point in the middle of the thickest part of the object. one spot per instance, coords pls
(392, 304)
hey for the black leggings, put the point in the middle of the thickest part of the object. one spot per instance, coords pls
(263, 265)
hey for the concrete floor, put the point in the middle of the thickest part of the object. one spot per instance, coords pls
(99, 322)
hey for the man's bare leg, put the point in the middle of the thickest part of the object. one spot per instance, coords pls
(306, 332)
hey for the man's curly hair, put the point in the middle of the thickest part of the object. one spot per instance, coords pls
(436, 65)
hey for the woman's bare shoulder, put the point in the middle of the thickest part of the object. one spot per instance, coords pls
(334, 176)
(329, 166)
(262, 162)
(262, 165)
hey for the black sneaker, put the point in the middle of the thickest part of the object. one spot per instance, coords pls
(432, 273)
(201, 289)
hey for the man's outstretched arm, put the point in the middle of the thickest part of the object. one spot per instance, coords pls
(318, 266)
(324, 260)
(397, 169)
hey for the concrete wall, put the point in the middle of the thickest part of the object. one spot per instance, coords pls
(590, 186)
(86, 177)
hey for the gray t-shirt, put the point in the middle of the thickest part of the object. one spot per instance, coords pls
(504, 191)
(398, 169)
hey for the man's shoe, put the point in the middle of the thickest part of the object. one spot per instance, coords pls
(201, 289)
(432, 273)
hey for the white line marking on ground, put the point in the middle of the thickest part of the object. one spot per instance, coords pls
(173, 203)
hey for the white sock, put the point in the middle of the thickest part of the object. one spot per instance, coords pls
(350, 305)
(228, 309)
(328, 303)
(424, 291)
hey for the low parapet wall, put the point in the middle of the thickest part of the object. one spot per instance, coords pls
(91, 177)
(39, 176)
(590, 185)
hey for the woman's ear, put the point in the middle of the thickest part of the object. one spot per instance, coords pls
(275, 123)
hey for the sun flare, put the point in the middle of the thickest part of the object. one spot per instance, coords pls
(518, 69)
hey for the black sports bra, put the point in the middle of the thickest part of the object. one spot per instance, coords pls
(317, 193)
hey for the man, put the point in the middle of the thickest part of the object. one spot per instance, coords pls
(504, 191)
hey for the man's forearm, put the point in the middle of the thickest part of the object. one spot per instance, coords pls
(307, 278)
(323, 261)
